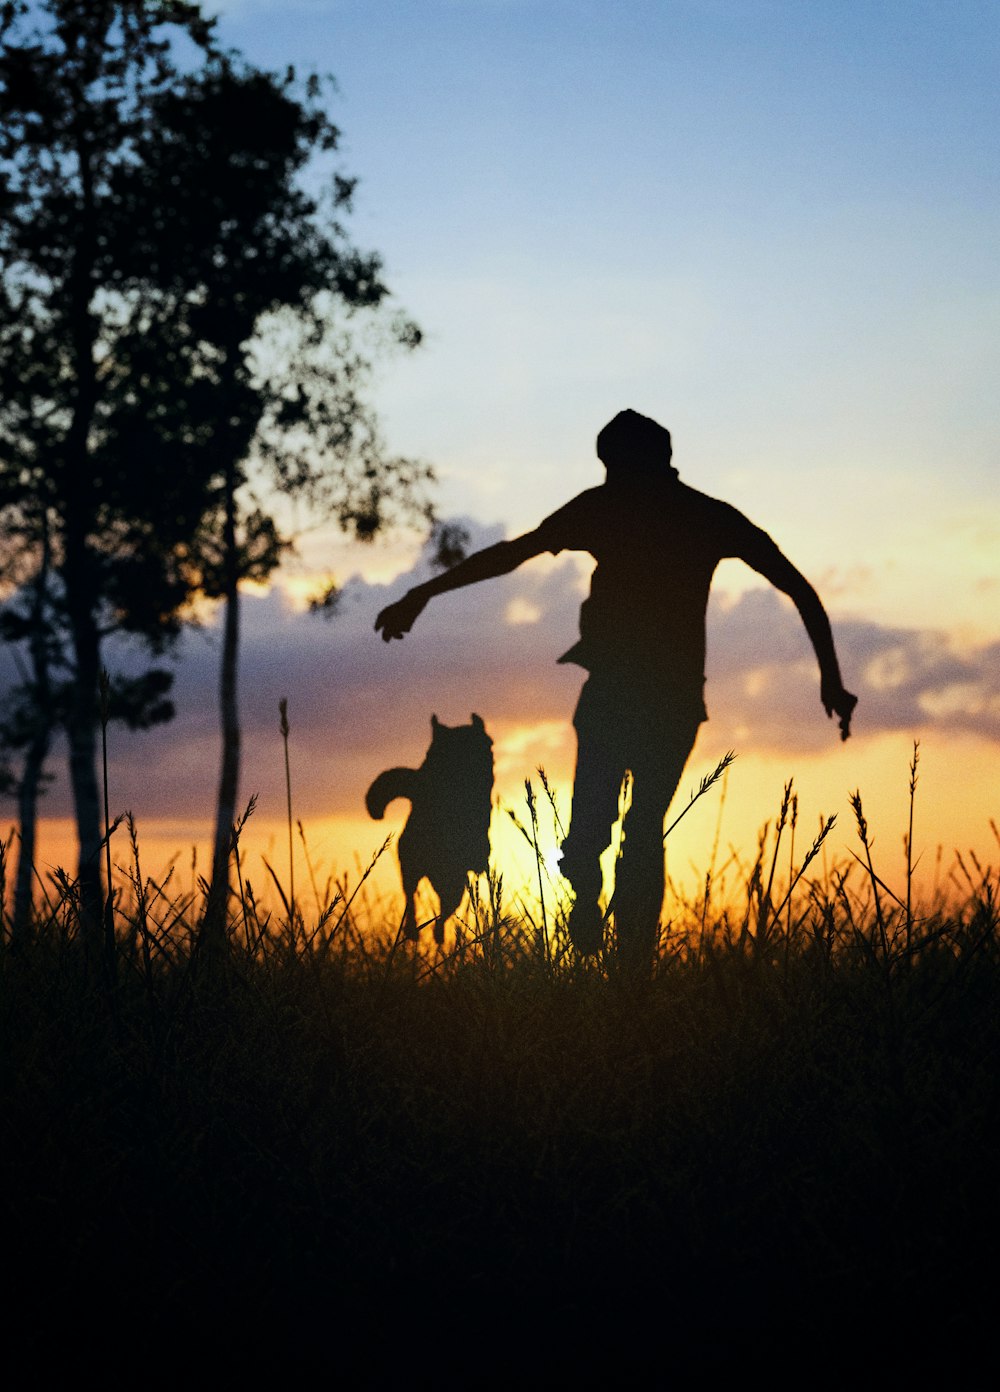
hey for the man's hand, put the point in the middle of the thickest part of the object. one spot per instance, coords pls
(837, 701)
(397, 619)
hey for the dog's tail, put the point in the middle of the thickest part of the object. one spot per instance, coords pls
(393, 783)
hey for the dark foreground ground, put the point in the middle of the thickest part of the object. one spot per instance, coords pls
(777, 1157)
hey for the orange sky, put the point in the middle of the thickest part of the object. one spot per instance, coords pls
(357, 705)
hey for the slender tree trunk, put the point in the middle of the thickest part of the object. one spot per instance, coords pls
(214, 929)
(38, 747)
(80, 566)
(27, 808)
(82, 729)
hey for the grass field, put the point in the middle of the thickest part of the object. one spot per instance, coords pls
(334, 1152)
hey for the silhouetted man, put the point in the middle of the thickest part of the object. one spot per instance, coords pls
(642, 641)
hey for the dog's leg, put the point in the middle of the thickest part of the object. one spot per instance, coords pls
(449, 893)
(410, 879)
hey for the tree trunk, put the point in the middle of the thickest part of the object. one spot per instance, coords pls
(82, 730)
(27, 809)
(214, 927)
(80, 565)
(38, 746)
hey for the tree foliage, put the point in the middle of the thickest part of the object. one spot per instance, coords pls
(181, 316)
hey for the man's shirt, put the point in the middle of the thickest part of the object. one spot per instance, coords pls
(657, 544)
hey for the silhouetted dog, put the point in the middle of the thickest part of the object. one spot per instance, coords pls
(447, 834)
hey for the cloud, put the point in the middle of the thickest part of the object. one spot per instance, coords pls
(357, 705)
(764, 686)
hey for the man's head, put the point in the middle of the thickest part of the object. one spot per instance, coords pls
(635, 446)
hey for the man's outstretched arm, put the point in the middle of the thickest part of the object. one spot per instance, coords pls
(765, 557)
(397, 619)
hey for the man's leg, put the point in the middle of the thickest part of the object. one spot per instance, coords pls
(639, 879)
(600, 768)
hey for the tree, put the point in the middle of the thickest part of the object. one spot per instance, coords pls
(178, 324)
(86, 531)
(266, 286)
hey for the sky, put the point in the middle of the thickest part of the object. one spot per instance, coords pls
(771, 226)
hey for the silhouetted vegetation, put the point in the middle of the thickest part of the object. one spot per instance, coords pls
(777, 1154)
(181, 318)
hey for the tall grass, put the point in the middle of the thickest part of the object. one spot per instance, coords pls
(778, 1148)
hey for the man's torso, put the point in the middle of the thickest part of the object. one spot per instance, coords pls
(657, 546)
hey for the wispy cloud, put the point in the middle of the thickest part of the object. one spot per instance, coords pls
(763, 681)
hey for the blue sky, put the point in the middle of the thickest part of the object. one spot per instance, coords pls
(772, 226)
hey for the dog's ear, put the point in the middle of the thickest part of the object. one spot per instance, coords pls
(434, 722)
(477, 720)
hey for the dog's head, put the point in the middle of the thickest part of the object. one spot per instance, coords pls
(461, 748)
